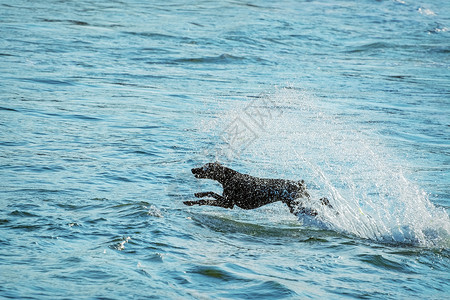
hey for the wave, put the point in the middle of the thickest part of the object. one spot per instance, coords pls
(220, 59)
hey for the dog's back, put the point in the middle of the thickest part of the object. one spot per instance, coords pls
(250, 192)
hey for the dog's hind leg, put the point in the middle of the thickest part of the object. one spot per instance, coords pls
(325, 201)
(210, 194)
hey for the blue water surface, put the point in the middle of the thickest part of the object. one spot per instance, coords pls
(105, 106)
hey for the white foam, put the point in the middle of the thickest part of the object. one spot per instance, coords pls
(426, 11)
(303, 139)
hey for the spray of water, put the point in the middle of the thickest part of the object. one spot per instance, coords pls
(290, 133)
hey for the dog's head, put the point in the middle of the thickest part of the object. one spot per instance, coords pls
(209, 170)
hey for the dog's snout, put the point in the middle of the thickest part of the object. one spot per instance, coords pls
(196, 171)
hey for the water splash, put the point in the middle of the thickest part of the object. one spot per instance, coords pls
(303, 138)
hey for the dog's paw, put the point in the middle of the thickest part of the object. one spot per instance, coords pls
(326, 202)
(189, 203)
(198, 195)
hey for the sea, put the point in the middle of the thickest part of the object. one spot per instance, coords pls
(106, 106)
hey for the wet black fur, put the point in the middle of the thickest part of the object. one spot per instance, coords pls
(249, 192)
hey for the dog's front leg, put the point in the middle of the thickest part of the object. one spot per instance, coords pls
(210, 194)
(218, 203)
(200, 202)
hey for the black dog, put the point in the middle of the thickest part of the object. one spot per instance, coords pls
(250, 192)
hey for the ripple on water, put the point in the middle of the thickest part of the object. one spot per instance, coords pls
(269, 289)
(103, 106)
(240, 285)
(391, 264)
